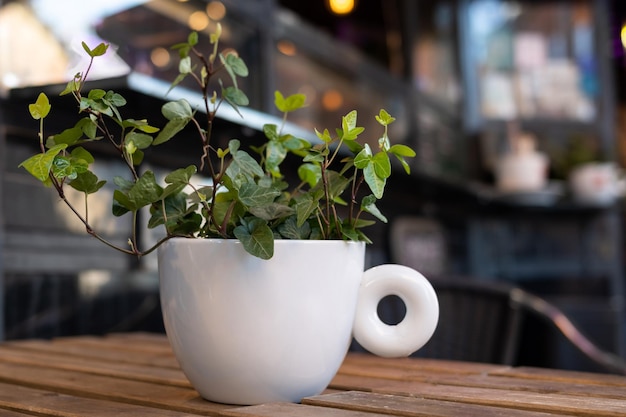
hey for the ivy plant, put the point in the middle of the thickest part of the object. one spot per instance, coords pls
(249, 197)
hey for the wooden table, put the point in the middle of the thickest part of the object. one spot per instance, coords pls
(137, 375)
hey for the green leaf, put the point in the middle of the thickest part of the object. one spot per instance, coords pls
(100, 49)
(96, 94)
(138, 140)
(382, 165)
(235, 66)
(310, 173)
(294, 144)
(99, 106)
(87, 182)
(275, 153)
(115, 99)
(402, 150)
(68, 136)
(252, 195)
(175, 211)
(350, 131)
(363, 158)
(40, 165)
(201, 194)
(71, 86)
(384, 118)
(68, 167)
(235, 97)
(89, 127)
(314, 156)
(62, 168)
(179, 113)
(290, 230)
(181, 175)
(349, 232)
(122, 183)
(178, 180)
(82, 153)
(170, 130)
(97, 51)
(184, 66)
(306, 205)
(272, 211)
(179, 109)
(376, 183)
(242, 164)
(40, 108)
(270, 131)
(144, 192)
(192, 39)
(256, 237)
(369, 205)
(336, 184)
(383, 143)
(348, 122)
(187, 225)
(183, 49)
(290, 103)
(324, 136)
(215, 36)
(137, 157)
(140, 125)
(122, 203)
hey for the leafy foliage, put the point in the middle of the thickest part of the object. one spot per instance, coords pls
(249, 197)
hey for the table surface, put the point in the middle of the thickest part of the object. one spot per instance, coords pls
(136, 374)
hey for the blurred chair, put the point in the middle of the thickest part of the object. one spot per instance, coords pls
(478, 322)
(482, 321)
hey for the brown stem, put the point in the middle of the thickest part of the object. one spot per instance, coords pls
(90, 231)
(356, 185)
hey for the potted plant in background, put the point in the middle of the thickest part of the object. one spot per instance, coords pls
(263, 305)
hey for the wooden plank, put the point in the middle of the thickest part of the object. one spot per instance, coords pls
(294, 410)
(131, 371)
(365, 361)
(134, 344)
(564, 376)
(96, 353)
(499, 381)
(523, 400)
(142, 337)
(8, 413)
(346, 382)
(46, 403)
(108, 388)
(412, 407)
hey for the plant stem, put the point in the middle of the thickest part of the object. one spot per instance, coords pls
(42, 147)
(90, 231)
(134, 231)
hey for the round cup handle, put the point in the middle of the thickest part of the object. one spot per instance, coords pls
(419, 323)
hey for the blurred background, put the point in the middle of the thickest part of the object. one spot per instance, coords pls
(516, 110)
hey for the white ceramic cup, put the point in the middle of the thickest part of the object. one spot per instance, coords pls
(249, 331)
(597, 182)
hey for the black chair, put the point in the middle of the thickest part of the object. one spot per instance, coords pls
(483, 321)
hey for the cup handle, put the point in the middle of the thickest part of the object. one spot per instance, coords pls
(419, 323)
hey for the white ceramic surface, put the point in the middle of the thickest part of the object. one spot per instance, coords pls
(248, 331)
(597, 182)
(522, 172)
